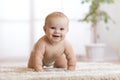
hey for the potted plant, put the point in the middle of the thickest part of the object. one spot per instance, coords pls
(94, 16)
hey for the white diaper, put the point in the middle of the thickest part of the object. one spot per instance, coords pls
(49, 64)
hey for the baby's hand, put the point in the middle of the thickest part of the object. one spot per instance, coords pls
(38, 69)
(71, 68)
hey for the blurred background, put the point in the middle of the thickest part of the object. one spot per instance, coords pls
(21, 25)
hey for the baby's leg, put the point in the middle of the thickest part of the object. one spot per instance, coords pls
(61, 62)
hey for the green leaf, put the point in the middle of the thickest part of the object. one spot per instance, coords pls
(95, 15)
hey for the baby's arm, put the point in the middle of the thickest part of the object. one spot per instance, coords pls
(38, 52)
(71, 57)
(38, 61)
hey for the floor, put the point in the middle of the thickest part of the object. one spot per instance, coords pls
(85, 59)
(79, 59)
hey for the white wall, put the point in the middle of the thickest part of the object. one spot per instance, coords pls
(111, 37)
(14, 29)
(79, 35)
(14, 40)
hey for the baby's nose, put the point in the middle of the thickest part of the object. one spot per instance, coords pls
(57, 31)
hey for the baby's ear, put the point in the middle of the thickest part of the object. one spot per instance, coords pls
(44, 29)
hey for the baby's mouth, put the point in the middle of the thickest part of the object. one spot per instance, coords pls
(56, 36)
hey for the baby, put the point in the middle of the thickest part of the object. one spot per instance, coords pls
(52, 48)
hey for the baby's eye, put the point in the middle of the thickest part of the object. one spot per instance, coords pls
(61, 28)
(52, 27)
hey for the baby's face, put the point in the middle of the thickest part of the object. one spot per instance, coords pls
(56, 29)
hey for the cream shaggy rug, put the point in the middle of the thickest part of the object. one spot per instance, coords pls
(84, 71)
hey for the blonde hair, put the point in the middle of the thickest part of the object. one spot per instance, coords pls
(57, 15)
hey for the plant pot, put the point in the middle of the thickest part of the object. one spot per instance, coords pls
(95, 51)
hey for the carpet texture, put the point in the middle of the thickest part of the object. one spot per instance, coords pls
(84, 71)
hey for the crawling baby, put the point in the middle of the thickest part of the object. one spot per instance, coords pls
(53, 48)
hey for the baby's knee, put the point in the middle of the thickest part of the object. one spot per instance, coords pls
(61, 63)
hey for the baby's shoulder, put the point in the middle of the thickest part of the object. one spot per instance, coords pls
(39, 44)
(41, 41)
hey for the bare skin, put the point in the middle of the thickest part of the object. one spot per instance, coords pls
(52, 48)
